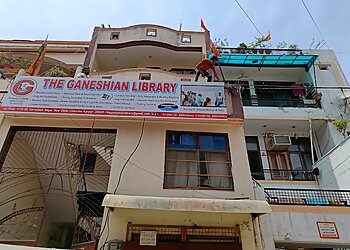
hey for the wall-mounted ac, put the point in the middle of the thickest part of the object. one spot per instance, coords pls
(278, 142)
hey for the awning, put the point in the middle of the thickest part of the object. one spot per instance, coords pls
(172, 204)
(265, 60)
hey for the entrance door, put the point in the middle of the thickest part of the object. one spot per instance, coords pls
(134, 245)
(279, 165)
(185, 237)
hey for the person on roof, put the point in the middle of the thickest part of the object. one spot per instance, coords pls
(205, 65)
(84, 73)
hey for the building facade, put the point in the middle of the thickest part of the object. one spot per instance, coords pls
(269, 173)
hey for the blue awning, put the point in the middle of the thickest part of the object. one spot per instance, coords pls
(256, 60)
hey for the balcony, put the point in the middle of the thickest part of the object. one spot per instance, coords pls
(286, 175)
(266, 58)
(280, 94)
(307, 197)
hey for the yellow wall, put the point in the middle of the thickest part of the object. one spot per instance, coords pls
(144, 174)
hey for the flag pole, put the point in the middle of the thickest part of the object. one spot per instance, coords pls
(222, 74)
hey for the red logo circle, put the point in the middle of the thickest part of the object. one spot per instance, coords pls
(23, 87)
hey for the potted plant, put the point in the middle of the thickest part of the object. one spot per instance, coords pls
(56, 72)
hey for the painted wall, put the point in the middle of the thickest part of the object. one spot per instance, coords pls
(134, 74)
(20, 188)
(138, 32)
(299, 227)
(148, 162)
(335, 167)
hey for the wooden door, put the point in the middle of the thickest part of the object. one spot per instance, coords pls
(279, 165)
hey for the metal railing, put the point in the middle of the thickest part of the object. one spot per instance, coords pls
(264, 102)
(290, 175)
(265, 51)
(283, 95)
(309, 197)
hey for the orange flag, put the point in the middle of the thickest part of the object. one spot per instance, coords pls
(267, 38)
(212, 45)
(214, 49)
(34, 68)
(203, 25)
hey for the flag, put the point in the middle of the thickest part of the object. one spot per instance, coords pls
(267, 38)
(212, 45)
(203, 25)
(214, 49)
(34, 68)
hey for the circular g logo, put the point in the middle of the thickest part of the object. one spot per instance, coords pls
(23, 87)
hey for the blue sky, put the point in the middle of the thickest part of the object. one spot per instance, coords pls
(286, 19)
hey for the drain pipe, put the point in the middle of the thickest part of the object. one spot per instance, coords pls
(311, 142)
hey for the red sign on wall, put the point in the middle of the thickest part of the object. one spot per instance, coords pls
(327, 230)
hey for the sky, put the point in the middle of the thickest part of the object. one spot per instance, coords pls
(287, 20)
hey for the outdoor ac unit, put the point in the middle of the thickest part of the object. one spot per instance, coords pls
(278, 142)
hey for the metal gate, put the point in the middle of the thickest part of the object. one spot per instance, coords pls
(185, 237)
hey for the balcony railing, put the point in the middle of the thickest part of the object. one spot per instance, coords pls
(228, 50)
(288, 175)
(281, 95)
(308, 197)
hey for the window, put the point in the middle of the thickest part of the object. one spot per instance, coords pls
(254, 158)
(323, 66)
(114, 35)
(277, 94)
(145, 76)
(89, 166)
(151, 32)
(106, 77)
(294, 163)
(197, 161)
(185, 80)
(186, 38)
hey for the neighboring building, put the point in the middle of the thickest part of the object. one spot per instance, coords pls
(171, 180)
(290, 99)
(17, 54)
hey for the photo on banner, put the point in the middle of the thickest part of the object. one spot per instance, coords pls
(202, 96)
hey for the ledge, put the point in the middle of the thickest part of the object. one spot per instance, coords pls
(172, 204)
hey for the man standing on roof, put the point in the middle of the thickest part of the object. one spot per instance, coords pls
(203, 67)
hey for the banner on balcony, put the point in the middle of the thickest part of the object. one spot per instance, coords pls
(115, 98)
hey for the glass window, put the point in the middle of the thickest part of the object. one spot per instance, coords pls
(254, 157)
(212, 142)
(145, 76)
(298, 163)
(197, 160)
(151, 32)
(88, 164)
(114, 36)
(186, 38)
(179, 140)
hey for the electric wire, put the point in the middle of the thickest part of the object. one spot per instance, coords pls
(318, 29)
(120, 176)
(251, 20)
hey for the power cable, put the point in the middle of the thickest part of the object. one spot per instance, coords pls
(241, 7)
(313, 20)
(120, 177)
(128, 159)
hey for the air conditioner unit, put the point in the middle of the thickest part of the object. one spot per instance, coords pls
(278, 142)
